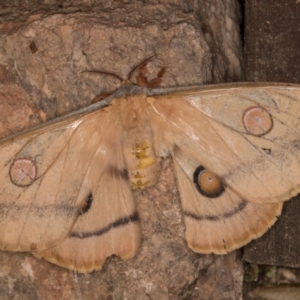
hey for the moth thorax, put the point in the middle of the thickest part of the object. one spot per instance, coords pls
(142, 164)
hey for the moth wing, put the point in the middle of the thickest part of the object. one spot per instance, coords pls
(110, 226)
(218, 224)
(198, 133)
(36, 213)
(260, 162)
(70, 158)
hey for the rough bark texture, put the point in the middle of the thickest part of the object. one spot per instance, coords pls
(43, 51)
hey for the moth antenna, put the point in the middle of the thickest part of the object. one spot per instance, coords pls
(143, 63)
(105, 73)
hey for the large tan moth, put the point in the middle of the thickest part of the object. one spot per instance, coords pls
(66, 186)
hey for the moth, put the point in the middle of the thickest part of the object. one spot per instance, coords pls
(66, 186)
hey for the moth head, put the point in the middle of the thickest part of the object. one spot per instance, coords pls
(141, 78)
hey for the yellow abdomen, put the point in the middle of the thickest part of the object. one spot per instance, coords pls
(142, 164)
